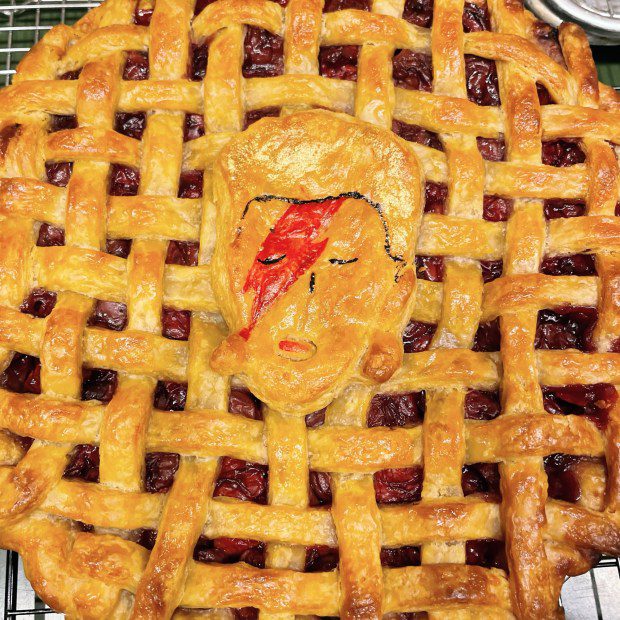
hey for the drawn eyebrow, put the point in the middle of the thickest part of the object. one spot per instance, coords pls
(342, 261)
(312, 281)
(271, 260)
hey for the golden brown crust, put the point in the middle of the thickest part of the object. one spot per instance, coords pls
(103, 574)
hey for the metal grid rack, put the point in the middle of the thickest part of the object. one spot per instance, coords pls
(22, 23)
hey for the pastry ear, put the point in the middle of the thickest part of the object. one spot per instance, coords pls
(228, 357)
(383, 358)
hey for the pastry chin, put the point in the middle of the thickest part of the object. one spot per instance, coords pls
(308, 313)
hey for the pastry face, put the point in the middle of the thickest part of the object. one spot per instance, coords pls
(315, 282)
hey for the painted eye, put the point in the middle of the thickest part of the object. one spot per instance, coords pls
(342, 261)
(271, 260)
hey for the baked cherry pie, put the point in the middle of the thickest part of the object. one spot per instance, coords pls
(309, 309)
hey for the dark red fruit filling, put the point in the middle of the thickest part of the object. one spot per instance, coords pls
(488, 337)
(482, 83)
(198, 63)
(109, 315)
(562, 477)
(339, 61)
(592, 401)
(130, 124)
(142, 17)
(399, 486)
(480, 478)
(50, 236)
(190, 184)
(567, 327)
(22, 375)
(243, 480)
(435, 196)
(397, 409)
(85, 527)
(83, 463)
(482, 405)
(183, 253)
(415, 133)
(124, 181)
(419, 12)
(170, 396)
(24, 442)
(315, 419)
(429, 268)
(417, 336)
(193, 127)
(118, 247)
(575, 265)
(321, 559)
(562, 153)
(6, 135)
(59, 122)
(487, 552)
(491, 269)
(492, 149)
(245, 613)
(59, 173)
(175, 324)
(412, 70)
(243, 402)
(98, 384)
(544, 96)
(146, 538)
(476, 17)
(557, 207)
(496, 208)
(548, 39)
(264, 53)
(400, 556)
(201, 4)
(320, 489)
(136, 66)
(255, 115)
(39, 303)
(340, 5)
(160, 468)
(230, 550)
(71, 75)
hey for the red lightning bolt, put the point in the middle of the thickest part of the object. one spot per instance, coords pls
(287, 253)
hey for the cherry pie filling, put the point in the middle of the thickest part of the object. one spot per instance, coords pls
(242, 480)
(592, 401)
(399, 486)
(136, 66)
(488, 337)
(566, 327)
(417, 336)
(429, 268)
(243, 402)
(435, 196)
(397, 410)
(130, 124)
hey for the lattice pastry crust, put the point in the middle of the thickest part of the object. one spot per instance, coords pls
(462, 470)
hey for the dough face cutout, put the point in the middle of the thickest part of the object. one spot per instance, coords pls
(313, 259)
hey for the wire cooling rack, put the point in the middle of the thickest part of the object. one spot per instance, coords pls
(595, 595)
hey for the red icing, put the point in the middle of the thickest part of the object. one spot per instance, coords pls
(287, 253)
